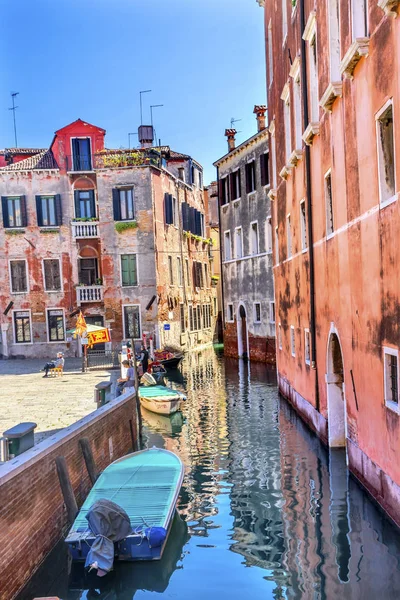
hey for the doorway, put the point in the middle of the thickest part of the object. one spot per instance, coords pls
(242, 334)
(335, 393)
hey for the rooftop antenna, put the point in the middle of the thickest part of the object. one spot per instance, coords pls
(151, 116)
(233, 121)
(140, 94)
(14, 108)
(129, 138)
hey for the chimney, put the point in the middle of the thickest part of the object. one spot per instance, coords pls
(230, 134)
(260, 110)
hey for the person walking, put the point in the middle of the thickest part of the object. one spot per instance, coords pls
(59, 362)
(126, 382)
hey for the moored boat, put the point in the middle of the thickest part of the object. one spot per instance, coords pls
(160, 399)
(145, 486)
(169, 360)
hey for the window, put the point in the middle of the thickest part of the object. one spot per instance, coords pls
(280, 336)
(88, 271)
(276, 246)
(206, 275)
(274, 168)
(224, 189)
(191, 318)
(334, 40)
(55, 325)
(129, 270)
(52, 274)
(48, 210)
(312, 55)
(289, 236)
(132, 328)
(328, 204)
(187, 272)
(192, 174)
(235, 185)
(270, 55)
(215, 307)
(230, 313)
(19, 281)
(200, 179)
(171, 210)
(84, 204)
(124, 204)
(14, 211)
(81, 154)
(297, 110)
(180, 274)
(175, 218)
(238, 242)
(303, 225)
(254, 238)
(198, 281)
(257, 312)
(182, 317)
(22, 327)
(181, 173)
(386, 165)
(272, 311)
(199, 317)
(207, 316)
(264, 168)
(286, 119)
(269, 235)
(391, 378)
(170, 270)
(284, 20)
(250, 177)
(307, 346)
(359, 19)
(292, 341)
(227, 245)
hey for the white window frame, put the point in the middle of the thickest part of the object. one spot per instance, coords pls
(19, 310)
(310, 35)
(303, 225)
(49, 341)
(387, 351)
(292, 341)
(16, 259)
(307, 337)
(298, 129)
(44, 278)
(255, 320)
(359, 19)
(127, 287)
(227, 235)
(273, 156)
(140, 318)
(270, 55)
(329, 204)
(180, 271)
(268, 235)
(251, 238)
(381, 166)
(334, 40)
(236, 193)
(284, 21)
(279, 336)
(241, 241)
(276, 246)
(272, 315)
(171, 274)
(289, 237)
(285, 96)
(227, 313)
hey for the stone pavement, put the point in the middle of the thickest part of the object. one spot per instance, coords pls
(52, 403)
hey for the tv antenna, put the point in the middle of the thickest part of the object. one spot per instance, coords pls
(233, 121)
(14, 108)
(140, 94)
(151, 117)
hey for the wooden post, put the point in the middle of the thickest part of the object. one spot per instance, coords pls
(89, 460)
(138, 407)
(66, 488)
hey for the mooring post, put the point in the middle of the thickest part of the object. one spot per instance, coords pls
(138, 407)
(66, 488)
(89, 460)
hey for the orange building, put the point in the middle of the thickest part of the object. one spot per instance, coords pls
(333, 84)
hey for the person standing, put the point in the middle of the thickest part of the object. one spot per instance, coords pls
(144, 359)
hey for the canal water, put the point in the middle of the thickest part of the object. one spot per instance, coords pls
(266, 512)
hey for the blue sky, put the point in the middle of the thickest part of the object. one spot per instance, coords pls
(68, 59)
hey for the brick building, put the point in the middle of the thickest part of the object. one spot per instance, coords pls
(118, 234)
(333, 77)
(246, 239)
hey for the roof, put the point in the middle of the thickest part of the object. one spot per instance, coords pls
(22, 150)
(80, 122)
(41, 161)
(255, 138)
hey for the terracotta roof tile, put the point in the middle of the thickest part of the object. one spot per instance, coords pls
(22, 150)
(42, 160)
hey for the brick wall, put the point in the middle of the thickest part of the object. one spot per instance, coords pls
(261, 349)
(32, 512)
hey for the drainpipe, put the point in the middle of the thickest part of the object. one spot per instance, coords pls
(220, 256)
(304, 85)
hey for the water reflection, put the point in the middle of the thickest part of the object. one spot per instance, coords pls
(270, 513)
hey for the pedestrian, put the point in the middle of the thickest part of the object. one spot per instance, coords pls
(144, 358)
(59, 362)
(128, 381)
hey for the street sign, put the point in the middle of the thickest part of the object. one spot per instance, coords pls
(167, 326)
(84, 341)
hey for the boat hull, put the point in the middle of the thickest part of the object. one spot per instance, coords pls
(171, 363)
(161, 407)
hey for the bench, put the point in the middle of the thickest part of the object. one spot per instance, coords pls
(57, 372)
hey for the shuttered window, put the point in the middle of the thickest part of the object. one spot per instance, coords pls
(48, 210)
(168, 209)
(52, 275)
(124, 204)
(85, 207)
(182, 318)
(14, 211)
(250, 177)
(19, 282)
(129, 269)
(264, 168)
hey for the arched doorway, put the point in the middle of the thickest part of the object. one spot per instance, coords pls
(335, 393)
(242, 333)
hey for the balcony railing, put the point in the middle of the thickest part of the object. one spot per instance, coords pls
(79, 163)
(111, 159)
(85, 229)
(89, 293)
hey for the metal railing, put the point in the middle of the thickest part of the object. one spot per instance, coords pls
(85, 229)
(89, 293)
(79, 163)
(113, 159)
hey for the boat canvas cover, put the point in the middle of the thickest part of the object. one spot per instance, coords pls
(159, 392)
(110, 523)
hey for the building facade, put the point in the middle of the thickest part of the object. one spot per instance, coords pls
(333, 80)
(121, 235)
(246, 241)
(211, 200)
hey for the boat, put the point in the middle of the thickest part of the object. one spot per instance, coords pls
(170, 360)
(160, 399)
(167, 425)
(146, 486)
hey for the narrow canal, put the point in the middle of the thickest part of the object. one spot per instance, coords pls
(266, 511)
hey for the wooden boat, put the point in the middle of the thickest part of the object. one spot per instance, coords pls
(168, 359)
(146, 485)
(160, 399)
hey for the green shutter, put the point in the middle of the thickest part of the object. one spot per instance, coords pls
(128, 269)
(132, 269)
(125, 269)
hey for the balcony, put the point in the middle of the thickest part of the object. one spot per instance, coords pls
(85, 229)
(79, 163)
(113, 159)
(89, 293)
